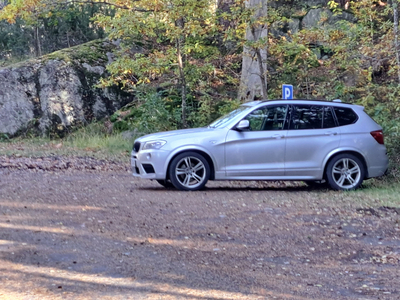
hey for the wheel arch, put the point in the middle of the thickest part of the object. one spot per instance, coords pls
(198, 151)
(353, 152)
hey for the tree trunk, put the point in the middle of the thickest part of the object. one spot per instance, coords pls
(396, 35)
(182, 80)
(262, 72)
(254, 83)
(37, 40)
(181, 66)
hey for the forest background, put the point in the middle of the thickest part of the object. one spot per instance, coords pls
(183, 59)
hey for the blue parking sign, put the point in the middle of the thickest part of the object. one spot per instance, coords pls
(287, 91)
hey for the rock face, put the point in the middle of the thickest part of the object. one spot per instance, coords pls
(50, 94)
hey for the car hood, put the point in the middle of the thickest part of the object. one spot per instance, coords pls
(177, 134)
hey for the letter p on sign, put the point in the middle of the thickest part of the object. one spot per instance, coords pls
(287, 91)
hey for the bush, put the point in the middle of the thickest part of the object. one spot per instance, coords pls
(154, 111)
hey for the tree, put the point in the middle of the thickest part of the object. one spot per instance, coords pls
(174, 37)
(396, 35)
(255, 55)
(41, 29)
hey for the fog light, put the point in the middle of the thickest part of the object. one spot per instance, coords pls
(148, 156)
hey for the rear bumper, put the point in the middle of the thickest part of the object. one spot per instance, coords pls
(379, 166)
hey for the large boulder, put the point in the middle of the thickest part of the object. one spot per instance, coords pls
(316, 17)
(55, 92)
(16, 105)
(322, 16)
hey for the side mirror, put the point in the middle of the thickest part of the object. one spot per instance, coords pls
(243, 125)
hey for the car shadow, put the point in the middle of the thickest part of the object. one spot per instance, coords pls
(242, 186)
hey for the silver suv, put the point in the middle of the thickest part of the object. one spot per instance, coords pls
(312, 141)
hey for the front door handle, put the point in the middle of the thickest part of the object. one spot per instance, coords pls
(331, 133)
(278, 136)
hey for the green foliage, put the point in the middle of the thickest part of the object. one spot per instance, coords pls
(175, 39)
(52, 29)
(14, 40)
(150, 113)
(4, 137)
(381, 102)
(334, 6)
(160, 111)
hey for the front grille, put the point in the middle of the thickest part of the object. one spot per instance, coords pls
(148, 168)
(136, 146)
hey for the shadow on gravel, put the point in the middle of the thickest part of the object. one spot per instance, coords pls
(93, 236)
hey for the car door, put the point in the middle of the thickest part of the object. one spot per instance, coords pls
(259, 151)
(312, 134)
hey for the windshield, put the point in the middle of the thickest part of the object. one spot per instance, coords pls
(221, 122)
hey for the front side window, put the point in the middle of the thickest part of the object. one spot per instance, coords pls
(268, 118)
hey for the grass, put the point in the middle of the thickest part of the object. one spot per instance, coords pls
(90, 141)
(383, 191)
(93, 139)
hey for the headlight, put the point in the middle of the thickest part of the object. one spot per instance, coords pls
(154, 144)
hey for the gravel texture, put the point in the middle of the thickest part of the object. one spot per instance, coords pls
(79, 228)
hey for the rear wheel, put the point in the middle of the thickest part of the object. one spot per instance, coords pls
(316, 183)
(189, 171)
(345, 172)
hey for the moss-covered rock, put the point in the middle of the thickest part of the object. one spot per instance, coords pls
(53, 93)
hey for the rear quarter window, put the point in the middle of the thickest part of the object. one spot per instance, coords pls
(345, 116)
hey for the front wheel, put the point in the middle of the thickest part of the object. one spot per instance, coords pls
(189, 171)
(165, 183)
(345, 172)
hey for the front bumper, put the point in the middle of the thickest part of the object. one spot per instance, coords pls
(149, 164)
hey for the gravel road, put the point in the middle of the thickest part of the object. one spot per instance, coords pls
(86, 229)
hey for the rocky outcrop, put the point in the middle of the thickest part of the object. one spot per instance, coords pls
(51, 94)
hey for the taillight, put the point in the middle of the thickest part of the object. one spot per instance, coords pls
(378, 136)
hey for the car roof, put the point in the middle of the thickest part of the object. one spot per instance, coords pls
(336, 102)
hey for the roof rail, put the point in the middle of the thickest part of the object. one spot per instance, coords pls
(337, 100)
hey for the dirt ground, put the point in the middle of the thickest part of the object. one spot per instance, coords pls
(86, 229)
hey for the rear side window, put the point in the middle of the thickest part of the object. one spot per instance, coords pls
(307, 117)
(345, 116)
(312, 117)
(329, 120)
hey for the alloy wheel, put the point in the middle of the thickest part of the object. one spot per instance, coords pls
(189, 171)
(346, 173)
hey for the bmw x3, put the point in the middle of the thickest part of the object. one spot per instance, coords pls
(301, 140)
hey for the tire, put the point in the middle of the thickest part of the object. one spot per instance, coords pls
(165, 183)
(189, 171)
(345, 172)
(316, 183)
